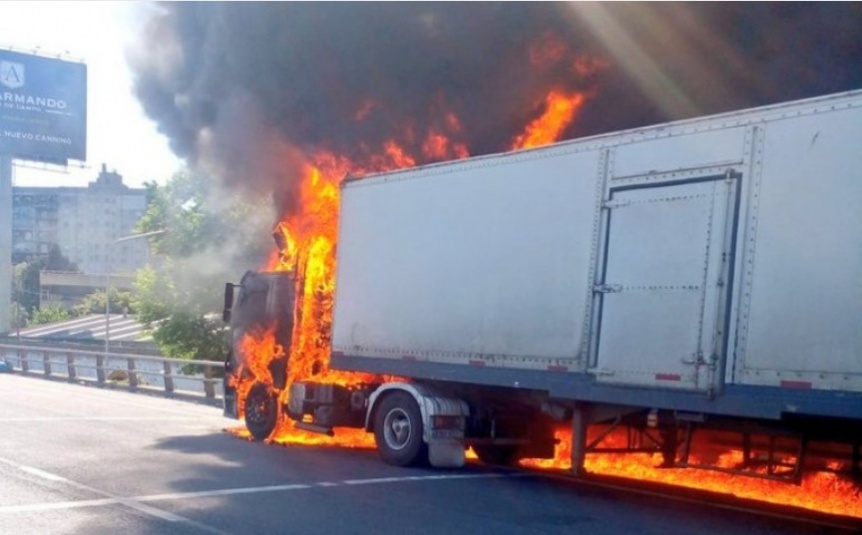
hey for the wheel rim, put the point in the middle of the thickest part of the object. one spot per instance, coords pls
(258, 408)
(397, 429)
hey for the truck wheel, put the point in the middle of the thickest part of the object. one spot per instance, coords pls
(261, 411)
(398, 430)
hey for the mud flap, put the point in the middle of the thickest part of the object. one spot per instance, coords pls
(230, 405)
(446, 453)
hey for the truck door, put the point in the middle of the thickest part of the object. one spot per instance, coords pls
(664, 286)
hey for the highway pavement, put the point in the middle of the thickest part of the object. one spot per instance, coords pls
(83, 460)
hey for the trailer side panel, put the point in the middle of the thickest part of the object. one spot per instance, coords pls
(487, 264)
(803, 273)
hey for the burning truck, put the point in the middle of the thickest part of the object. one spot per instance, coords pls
(652, 290)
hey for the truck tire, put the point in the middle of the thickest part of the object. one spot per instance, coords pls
(398, 431)
(261, 411)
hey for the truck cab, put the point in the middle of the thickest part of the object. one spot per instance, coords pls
(261, 302)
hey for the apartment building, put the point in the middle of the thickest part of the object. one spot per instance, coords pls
(83, 221)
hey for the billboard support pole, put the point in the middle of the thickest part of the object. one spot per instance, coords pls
(5, 243)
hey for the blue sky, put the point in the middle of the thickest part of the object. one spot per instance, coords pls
(119, 134)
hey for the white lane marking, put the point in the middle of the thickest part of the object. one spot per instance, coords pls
(300, 486)
(375, 481)
(37, 507)
(41, 473)
(219, 492)
(111, 499)
(135, 501)
(108, 418)
(152, 511)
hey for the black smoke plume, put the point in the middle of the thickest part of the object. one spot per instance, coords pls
(240, 84)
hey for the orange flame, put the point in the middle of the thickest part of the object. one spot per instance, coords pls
(549, 49)
(439, 147)
(560, 111)
(820, 491)
(308, 248)
(365, 110)
(309, 236)
(263, 346)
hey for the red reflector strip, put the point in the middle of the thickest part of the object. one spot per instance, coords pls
(795, 384)
(668, 377)
(477, 363)
(338, 353)
(408, 357)
(558, 368)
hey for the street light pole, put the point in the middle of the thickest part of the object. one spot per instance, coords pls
(108, 281)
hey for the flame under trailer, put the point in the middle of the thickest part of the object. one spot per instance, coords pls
(696, 278)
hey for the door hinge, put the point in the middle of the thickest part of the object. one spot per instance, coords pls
(615, 203)
(608, 288)
(696, 359)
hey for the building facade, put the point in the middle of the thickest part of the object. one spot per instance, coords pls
(83, 222)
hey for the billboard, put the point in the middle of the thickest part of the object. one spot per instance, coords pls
(43, 108)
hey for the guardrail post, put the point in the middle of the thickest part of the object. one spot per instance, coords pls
(209, 384)
(169, 378)
(133, 377)
(70, 366)
(29, 360)
(100, 369)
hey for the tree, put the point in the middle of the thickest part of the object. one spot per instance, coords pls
(26, 277)
(201, 217)
(192, 336)
(120, 303)
(20, 316)
(212, 238)
(56, 261)
(51, 313)
(27, 285)
(154, 294)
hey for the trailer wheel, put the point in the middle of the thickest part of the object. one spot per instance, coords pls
(261, 411)
(398, 430)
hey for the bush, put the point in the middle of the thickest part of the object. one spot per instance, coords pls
(49, 314)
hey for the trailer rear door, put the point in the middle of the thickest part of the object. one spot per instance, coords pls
(663, 297)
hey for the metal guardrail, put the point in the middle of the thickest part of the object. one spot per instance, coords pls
(136, 372)
(117, 346)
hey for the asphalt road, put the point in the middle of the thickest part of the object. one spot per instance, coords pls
(82, 460)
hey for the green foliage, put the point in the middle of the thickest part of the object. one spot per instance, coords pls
(27, 285)
(155, 299)
(191, 336)
(20, 316)
(198, 219)
(26, 277)
(49, 314)
(181, 300)
(120, 303)
(57, 262)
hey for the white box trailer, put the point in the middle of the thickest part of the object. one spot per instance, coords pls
(707, 268)
(689, 256)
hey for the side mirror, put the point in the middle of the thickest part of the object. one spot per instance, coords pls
(228, 302)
